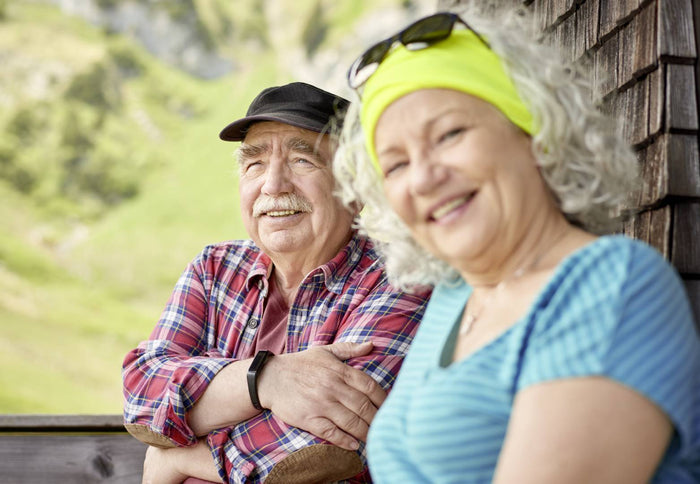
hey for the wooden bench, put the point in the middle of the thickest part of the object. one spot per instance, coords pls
(68, 449)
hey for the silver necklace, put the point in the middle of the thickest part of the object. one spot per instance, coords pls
(471, 317)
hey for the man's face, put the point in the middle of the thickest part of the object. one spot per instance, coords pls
(287, 204)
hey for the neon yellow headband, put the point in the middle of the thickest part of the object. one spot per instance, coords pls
(461, 62)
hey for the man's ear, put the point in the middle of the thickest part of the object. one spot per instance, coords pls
(356, 207)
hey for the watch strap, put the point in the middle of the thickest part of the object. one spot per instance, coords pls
(252, 376)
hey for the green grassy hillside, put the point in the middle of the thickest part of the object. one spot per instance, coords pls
(112, 177)
(83, 278)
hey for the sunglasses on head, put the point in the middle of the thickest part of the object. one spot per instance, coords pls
(419, 35)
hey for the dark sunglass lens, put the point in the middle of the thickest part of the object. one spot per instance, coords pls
(367, 64)
(376, 53)
(431, 29)
(417, 36)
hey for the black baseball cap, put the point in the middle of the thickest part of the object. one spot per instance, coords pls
(298, 104)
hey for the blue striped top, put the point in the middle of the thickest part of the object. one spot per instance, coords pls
(614, 307)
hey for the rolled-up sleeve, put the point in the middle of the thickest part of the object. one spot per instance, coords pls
(166, 374)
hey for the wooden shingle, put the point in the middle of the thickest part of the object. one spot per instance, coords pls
(683, 166)
(628, 48)
(643, 27)
(587, 18)
(606, 59)
(685, 254)
(654, 173)
(657, 89)
(609, 15)
(681, 103)
(676, 32)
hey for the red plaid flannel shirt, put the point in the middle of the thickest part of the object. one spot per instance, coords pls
(211, 320)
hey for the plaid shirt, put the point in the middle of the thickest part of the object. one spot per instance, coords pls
(211, 320)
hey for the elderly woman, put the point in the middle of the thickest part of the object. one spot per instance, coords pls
(548, 353)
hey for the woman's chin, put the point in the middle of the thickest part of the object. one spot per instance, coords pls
(455, 249)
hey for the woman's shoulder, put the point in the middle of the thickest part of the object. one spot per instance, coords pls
(612, 301)
(619, 248)
(614, 282)
(615, 261)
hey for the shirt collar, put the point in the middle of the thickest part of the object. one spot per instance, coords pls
(335, 272)
(260, 271)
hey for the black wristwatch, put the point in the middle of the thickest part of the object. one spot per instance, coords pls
(258, 363)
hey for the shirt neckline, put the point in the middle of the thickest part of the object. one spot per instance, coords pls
(449, 337)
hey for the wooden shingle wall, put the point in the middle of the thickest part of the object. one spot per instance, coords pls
(645, 57)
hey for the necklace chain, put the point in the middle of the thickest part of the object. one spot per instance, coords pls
(471, 317)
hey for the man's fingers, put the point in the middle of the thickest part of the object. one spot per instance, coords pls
(320, 393)
(345, 350)
(365, 384)
(362, 409)
(352, 424)
(327, 430)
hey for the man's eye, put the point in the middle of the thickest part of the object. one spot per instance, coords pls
(251, 165)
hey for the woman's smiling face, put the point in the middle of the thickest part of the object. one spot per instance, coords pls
(460, 175)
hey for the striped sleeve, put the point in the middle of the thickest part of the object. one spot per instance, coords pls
(624, 314)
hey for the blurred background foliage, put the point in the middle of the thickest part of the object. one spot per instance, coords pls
(112, 176)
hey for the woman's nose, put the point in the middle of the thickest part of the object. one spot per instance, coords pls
(426, 175)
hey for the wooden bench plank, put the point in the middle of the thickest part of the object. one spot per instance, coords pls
(69, 459)
(61, 423)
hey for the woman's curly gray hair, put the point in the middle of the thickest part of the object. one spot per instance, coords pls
(589, 168)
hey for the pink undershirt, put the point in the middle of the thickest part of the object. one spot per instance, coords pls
(271, 335)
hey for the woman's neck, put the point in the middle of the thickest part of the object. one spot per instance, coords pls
(536, 246)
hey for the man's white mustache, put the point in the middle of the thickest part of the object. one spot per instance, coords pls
(286, 201)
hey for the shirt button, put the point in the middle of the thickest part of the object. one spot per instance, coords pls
(253, 323)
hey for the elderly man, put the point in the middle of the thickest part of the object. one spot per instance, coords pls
(273, 348)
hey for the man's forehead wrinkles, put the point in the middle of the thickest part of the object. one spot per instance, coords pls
(248, 150)
(266, 141)
(300, 144)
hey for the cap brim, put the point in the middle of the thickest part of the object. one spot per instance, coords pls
(237, 130)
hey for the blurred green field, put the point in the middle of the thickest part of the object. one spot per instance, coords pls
(112, 178)
(80, 286)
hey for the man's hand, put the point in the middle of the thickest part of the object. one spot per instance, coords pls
(316, 391)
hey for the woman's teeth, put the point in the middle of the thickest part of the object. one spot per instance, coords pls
(448, 207)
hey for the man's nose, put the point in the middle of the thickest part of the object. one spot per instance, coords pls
(277, 178)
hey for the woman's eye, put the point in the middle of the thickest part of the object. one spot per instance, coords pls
(394, 168)
(451, 134)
